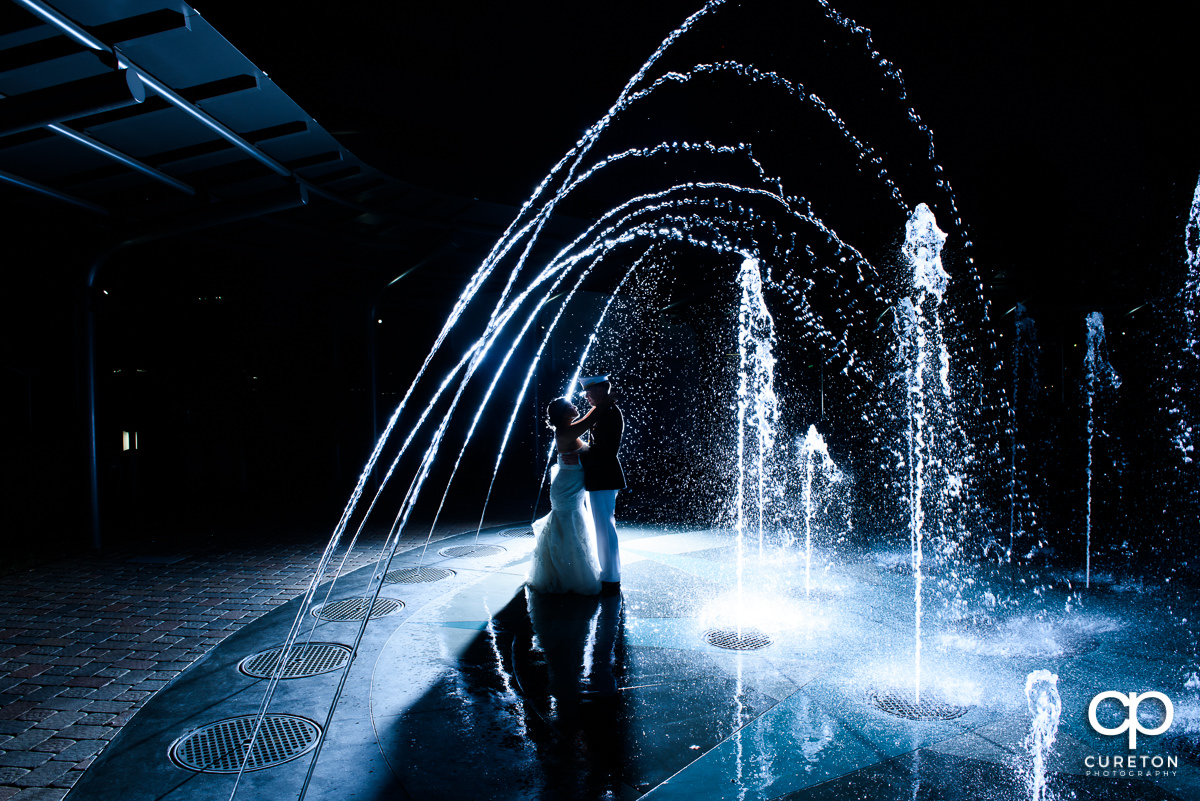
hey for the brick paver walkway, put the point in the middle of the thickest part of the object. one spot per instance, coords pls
(85, 641)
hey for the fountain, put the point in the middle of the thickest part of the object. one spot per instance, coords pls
(903, 344)
(1099, 374)
(1045, 709)
(925, 363)
(757, 412)
(814, 457)
(1022, 507)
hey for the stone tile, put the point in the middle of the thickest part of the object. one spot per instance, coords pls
(89, 681)
(27, 740)
(8, 792)
(23, 759)
(75, 661)
(78, 732)
(122, 718)
(35, 692)
(15, 709)
(37, 714)
(10, 775)
(46, 680)
(111, 707)
(29, 671)
(60, 719)
(84, 764)
(111, 672)
(68, 779)
(79, 751)
(16, 650)
(56, 745)
(95, 719)
(56, 669)
(41, 794)
(59, 702)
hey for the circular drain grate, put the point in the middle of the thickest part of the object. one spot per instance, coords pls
(903, 704)
(523, 531)
(220, 747)
(356, 609)
(745, 639)
(1186, 746)
(305, 660)
(417, 575)
(471, 550)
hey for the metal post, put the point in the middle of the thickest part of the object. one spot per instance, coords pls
(89, 392)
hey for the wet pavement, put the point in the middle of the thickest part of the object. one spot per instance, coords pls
(472, 687)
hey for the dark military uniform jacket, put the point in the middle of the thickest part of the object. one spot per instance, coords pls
(601, 467)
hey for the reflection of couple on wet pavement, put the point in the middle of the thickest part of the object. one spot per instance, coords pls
(574, 600)
(583, 498)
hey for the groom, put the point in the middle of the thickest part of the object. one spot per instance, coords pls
(602, 476)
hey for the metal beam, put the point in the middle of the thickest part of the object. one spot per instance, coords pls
(116, 155)
(81, 35)
(67, 101)
(50, 191)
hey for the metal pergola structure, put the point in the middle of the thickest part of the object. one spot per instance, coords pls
(146, 123)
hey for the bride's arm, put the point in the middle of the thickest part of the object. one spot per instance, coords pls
(578, 427)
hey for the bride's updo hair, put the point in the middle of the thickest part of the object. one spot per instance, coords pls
(555, 411)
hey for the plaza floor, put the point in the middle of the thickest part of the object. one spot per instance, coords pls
(468, 686)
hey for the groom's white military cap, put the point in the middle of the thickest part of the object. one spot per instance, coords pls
(592, 379)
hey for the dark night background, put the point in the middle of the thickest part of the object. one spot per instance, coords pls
(239, 354)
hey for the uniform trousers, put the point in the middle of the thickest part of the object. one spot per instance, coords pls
(604, 507)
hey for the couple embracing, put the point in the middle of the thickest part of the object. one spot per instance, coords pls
(583, 498)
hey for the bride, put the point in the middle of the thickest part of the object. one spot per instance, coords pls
(564, 558)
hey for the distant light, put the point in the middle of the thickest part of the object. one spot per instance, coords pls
(129, 440)
(379, 321)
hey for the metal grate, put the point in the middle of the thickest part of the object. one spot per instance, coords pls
(312, 659)
(522, 531)
(471, 550)
(1186, 746)
(416, 575)
(220, 747)
(356, 609)
(903, 704)
(743, 639)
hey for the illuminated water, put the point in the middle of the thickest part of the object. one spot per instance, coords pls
(757, 412)
(901, 342)
(1022, 509)
(1045, 709)
(815, 460)
(1099, 375)
(924, 362)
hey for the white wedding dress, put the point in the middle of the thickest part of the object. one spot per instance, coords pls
(564, 554)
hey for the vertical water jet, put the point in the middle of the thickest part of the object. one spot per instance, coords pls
(1099, 373)
(924, 362)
